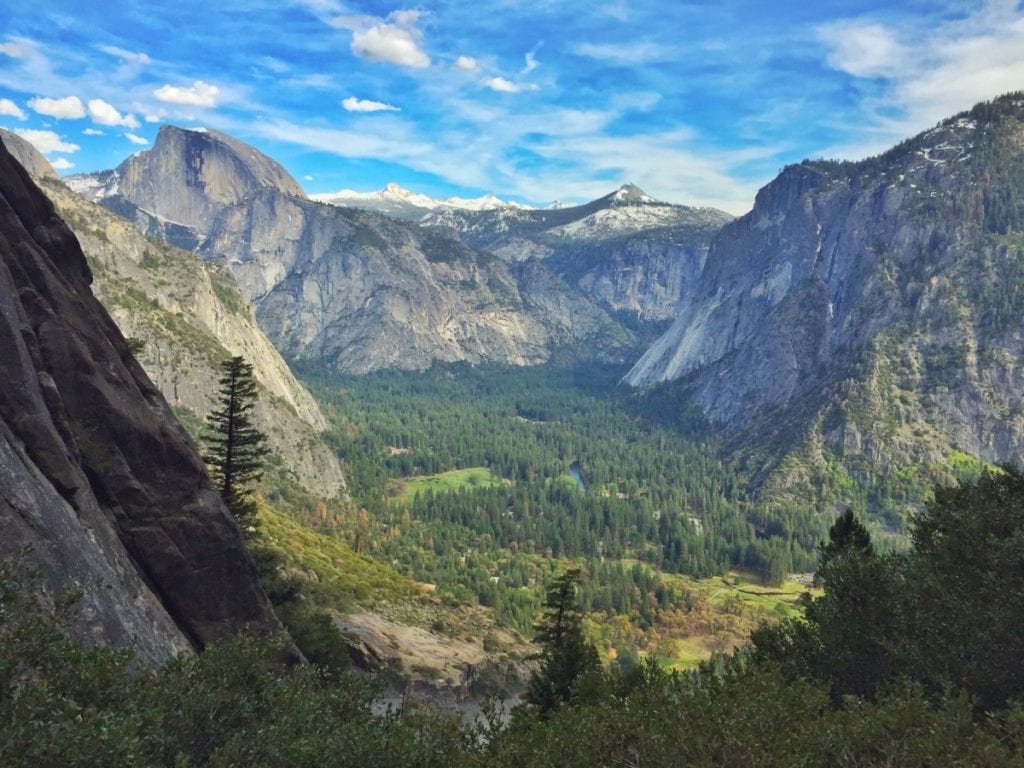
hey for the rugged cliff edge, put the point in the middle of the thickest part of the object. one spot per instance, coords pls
(188, 316)
(100, 488)
(875, 305)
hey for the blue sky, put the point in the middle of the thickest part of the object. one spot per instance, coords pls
(699, 103)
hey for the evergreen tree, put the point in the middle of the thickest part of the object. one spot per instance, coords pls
(235, 448)
(847, 535)
(565, 653)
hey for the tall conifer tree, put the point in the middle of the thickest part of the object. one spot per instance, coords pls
(235, 447)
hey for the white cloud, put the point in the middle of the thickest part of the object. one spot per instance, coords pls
(131, 57)
(530, 65)
(501, 85)
(136, 139)
(200, 94)
(103, 113)
(62, 164)
(307, 177)
(394, 40)
(68, 108)
(352, 104)
(13, 49)
(47, 141)
(863, 49)
(625, 53)
(155, 118)
(466, 63)
(9, 108)
(927, 75)
(92, 132)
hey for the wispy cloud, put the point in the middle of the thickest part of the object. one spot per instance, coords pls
(10, 109)
(67, 108)
(92, 132)
(466, 63)
(920, 76)
(199, 94)
(14, 49)
(47, 141)
(131, 57)
(352, 104)
(625, 53)
(134, 139)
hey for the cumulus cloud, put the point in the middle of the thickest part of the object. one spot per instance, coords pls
(68, 108)
(466, 63)
(92, 132)
(131, 57)
(352, 104)
(62, 164)
(394, 40)
(9, 108)
(199, 94)
(47, 141)
(103, 113)
(136, 139)
(501, 85)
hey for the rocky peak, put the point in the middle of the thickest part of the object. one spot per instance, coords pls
(630, 194)
(188, 177)
(31, 159)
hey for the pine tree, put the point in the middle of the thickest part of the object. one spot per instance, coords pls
(235, 448)
(847, 535)
(565, 653)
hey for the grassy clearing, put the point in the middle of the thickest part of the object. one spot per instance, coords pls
(338, 578)
(722, 612)
(474, 477)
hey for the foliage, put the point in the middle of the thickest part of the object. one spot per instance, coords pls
(945, 615)
(235, 447)
(565, 654)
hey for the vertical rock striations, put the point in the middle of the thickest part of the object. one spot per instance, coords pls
(99, 482)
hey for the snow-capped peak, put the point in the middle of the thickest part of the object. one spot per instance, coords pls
(630, 193)
(394, 193)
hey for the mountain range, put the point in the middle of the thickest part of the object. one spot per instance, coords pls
(358, 291)
(861, 315)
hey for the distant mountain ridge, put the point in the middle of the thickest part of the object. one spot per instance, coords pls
(347, 288)
(402, 203)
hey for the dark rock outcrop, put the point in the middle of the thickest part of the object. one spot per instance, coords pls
(100, 488)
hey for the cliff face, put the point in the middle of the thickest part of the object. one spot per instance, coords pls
(877, 304)
(351, 289)
(99, 480)
(190, 316)
(631, 253)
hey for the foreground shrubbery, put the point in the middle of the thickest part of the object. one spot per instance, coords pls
(908, 660)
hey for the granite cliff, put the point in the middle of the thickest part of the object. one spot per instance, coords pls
(869, 311)
(101, 490)
(188, 315)
(351, 289)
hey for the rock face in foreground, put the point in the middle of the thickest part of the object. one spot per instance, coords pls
(876, 304)
(190, 316)
(99, 486)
